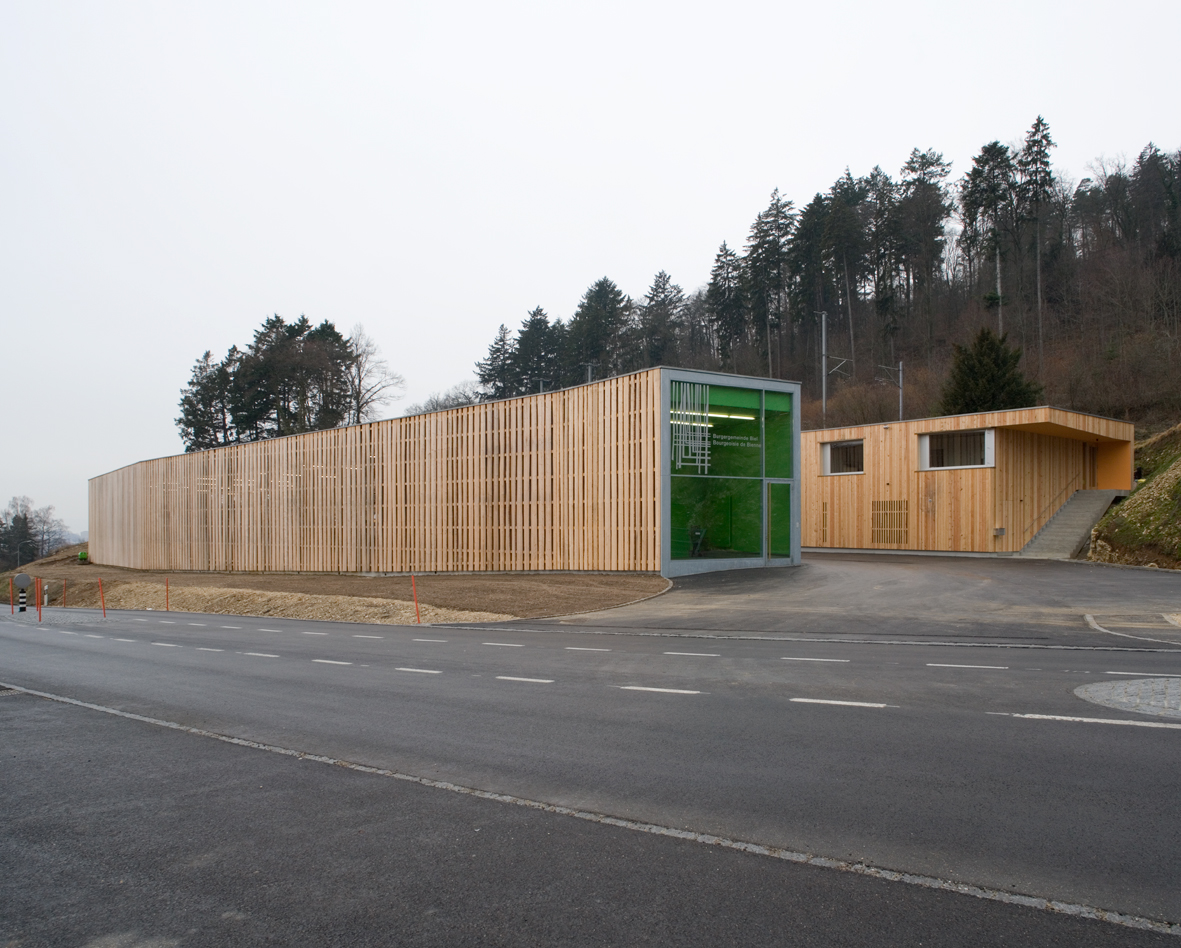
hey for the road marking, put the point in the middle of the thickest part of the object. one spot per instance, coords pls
(168, 644)
(1143, 638)
(773, 852)
(504, 644)
(664, 691)
(280, 630)
(89, 636)
(790, 659)
(201, 624)
(421, 671)
(536, 681)
(369, 636)
(577, 648)
(850, 704)
(64, 632)
(124, 640)
(696, 654)
(167, 622)
(306, 633)
(258, 654)
(940, 665)
(1063, 717)
(139, 620)
(428, 640)
(1145, 674)
(328, 661)
(231, 626)
(203, 649)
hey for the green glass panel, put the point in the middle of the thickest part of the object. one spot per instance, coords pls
(735, 435)
(778, 433)
(779, 519)
(716, 517)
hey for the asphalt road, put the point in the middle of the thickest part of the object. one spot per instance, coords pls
(848, 746)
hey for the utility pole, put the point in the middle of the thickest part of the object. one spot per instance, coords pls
(589, 366)
(825, 371)
(888, 369)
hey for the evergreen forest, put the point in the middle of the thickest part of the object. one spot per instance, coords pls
(1082, 278)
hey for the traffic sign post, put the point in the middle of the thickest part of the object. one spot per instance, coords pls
(23, 581)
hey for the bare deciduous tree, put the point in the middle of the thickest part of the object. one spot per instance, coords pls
(371, 383)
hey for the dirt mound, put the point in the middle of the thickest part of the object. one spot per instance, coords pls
(249, 602)
(1145, 530)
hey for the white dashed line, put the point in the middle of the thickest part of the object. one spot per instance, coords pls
(428, 640)
(124, 640)
(306, 633)
(696, 654)
(536, 681)
(167, 622)
(278, 630)
(369, 636)
(168, 645)
(1062, 717)
(1145, 674)
(64, 632)
(328, 661)
(202, 649)
(850, 704)
(578, 648)
(231, 627)
(139, 620)
(504, 644)
(258, 654)
(664, 691)
(788, 658)
(421, 671)
(89, 636)
(201, 624)
(940, 665)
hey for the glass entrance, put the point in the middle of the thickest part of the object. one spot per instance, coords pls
(778, 519)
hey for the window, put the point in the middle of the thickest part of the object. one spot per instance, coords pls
(952, 449)
(844, 457)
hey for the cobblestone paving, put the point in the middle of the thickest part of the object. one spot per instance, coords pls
(1158, 696)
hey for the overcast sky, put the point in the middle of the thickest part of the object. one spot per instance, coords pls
(171, 174)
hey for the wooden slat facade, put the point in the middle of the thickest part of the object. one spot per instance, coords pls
(566, 480)
(1041, 456)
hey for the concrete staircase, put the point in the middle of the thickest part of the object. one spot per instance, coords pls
(1069, 530)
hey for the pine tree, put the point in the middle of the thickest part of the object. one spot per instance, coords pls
(536, 362)
(1037, 183)
(594, 334)
(765, 268)
(725, 301)
(496, 372)
(985, 377)
(988, 190)
(659, 321)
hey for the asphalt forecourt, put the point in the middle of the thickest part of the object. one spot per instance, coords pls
(960, 771)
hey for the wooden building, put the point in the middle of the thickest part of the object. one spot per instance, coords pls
(662, 470)
(984, 483)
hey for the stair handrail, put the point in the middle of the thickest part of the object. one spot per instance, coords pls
(1038, 516)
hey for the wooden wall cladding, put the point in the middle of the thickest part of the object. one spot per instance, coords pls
(1042, 455)
(566, 480)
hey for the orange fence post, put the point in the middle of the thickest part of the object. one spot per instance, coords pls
(166, 608)
(414, 588)
(101, 597)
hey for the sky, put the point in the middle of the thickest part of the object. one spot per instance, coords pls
(171, 174)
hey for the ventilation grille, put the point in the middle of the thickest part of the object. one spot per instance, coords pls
(890, 522)
(824, 521)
